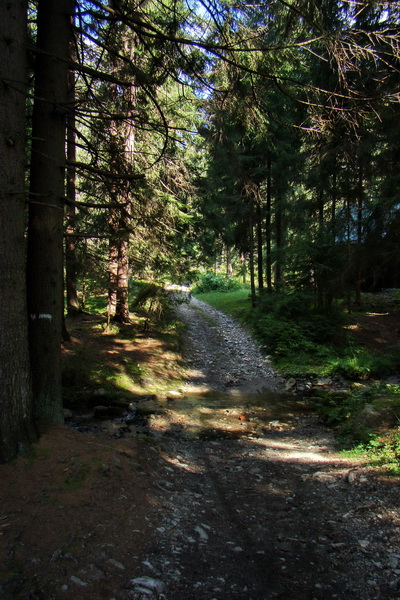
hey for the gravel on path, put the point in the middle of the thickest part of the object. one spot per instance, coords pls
(272, 513)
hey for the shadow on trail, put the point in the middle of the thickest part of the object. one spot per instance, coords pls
(270, 514)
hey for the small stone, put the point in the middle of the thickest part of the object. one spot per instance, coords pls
(322, 382)
(78, 581)
(290, 383)
(363, 543)
(202, 534)
(149, 583)
(351, 476)
(116, 564)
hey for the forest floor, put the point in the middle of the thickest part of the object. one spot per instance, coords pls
(219, 486)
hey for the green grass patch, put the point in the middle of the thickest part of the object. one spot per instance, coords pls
(96, 304)
(236, 303)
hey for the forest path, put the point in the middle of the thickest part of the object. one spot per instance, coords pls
(256, 504)
(230, 489)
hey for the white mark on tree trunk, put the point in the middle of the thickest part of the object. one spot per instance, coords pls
(35, 316)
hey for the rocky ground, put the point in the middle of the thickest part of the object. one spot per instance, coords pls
(229, 488)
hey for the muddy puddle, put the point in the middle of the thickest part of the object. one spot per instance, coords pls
(206, 415)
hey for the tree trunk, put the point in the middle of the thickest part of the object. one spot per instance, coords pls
(112, 264)
(319, 271)
(268, 235)
(122, 299)
(259, 248)
(71, 262)
(16, 419)
(46, 209)
(251, 258)
(360, 203)
(279, 244)
(243, 266)
(229, 268)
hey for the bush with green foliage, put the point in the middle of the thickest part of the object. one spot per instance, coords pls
(209, 282)
(154, 300)
(288, 324)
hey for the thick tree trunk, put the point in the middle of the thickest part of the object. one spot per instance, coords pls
(112, 263)
(71, 262)
(122, 307)
(16, 419)
(46, 209)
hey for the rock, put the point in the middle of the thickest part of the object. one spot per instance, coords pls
(202, 533)
(290, 384)
(352, 476)
(148, 583)
(369, 416)
(68, 414)
(99, 392)
(116, 564)
(323, 381)
(78, 581)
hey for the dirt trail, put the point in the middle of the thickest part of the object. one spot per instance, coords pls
(233, 490)
(261, 506)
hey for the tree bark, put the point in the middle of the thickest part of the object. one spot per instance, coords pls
(360, 204)
(16, 418)
(278, 243)
(71, 262)
(112, 263)
(259, 248)
(122, 307)
(46, 208)
(251, 258)
(268, 231)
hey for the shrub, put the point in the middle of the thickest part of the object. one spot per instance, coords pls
(288, 325)
(210, 282)
(153, 300)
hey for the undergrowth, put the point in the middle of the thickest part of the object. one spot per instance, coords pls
(303, 341)
(213, 282)
(375, 439)
(306, 343)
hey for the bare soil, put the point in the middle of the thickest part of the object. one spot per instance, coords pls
(222, 487)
